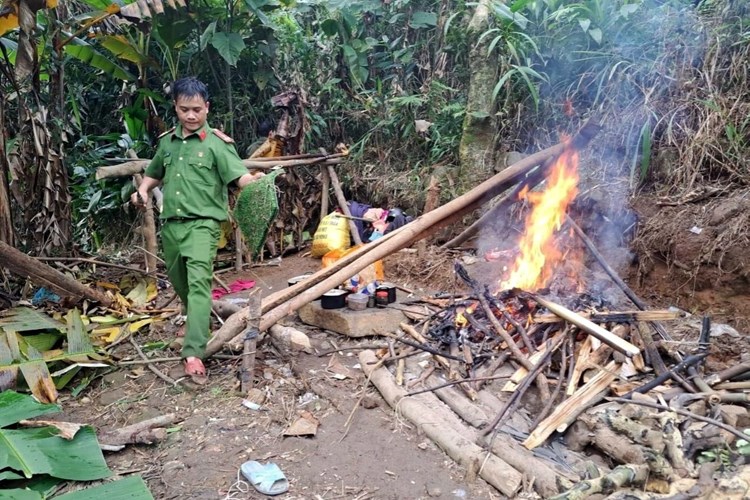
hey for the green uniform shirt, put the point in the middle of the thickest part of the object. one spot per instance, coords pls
(195, 171)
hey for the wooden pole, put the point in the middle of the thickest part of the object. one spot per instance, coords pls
(342, 204)
(282, 303)
(43, 275)
(448, 432)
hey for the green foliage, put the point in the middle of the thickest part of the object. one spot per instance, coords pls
(35, 460)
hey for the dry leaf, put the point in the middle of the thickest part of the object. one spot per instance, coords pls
(305, 425)
(66, 430)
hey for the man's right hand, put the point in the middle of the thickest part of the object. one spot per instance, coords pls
(138, 199)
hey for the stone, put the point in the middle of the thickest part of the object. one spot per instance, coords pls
(370, 321)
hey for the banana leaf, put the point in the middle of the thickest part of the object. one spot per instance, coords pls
(33, 367)
(15, 407)
(25, 319)
(8, 372)
(20, 352)
(19, 494)
(129, 488)
(42, 451)
(78, 339)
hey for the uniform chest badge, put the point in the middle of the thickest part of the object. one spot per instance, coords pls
(200, 154)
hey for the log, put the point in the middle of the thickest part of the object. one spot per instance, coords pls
(459, 403)
(289, 339)
(283, 303)
(586, 325)
(43, 275)
(451, 436)
(567, 411)
(148, 229)
(623, 475)
(146, 432)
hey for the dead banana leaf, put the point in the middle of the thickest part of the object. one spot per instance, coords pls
(66, 430)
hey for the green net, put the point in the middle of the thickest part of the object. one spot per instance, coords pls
(255, 209)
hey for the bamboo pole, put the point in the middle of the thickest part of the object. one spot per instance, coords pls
(138, 166)
(584, 324)
(532, 179)
(449, 434)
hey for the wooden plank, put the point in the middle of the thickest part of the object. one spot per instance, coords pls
(569, 409)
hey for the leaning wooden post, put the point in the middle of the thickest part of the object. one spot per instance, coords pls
(250, 342)
(342, 204)
(432, 201)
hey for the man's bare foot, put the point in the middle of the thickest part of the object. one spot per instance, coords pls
(195, 370)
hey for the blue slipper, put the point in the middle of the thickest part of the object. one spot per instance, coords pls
(267, 479)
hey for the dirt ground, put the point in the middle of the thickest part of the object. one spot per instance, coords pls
(378, 456)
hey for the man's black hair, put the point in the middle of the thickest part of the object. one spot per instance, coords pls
(189, 87)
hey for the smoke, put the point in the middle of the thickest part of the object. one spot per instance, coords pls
(626, 68)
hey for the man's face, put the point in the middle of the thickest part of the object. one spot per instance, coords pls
(192, 112)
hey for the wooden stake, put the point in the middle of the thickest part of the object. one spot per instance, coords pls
(251, 342)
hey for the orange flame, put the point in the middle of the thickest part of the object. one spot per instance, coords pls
(539, 255)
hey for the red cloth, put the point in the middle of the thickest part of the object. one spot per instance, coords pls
(236, 286)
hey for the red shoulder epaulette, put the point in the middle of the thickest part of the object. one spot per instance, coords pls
(224, 137)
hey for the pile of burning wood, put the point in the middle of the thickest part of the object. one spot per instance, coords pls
(521, 364)
(516, 367)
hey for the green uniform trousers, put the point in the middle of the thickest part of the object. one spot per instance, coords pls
(189, 251)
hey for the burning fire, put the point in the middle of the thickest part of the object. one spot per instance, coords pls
(533, 268)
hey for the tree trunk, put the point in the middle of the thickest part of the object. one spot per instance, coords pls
(475, 149)
(6, 220)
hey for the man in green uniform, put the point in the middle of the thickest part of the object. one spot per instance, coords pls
(195, 164)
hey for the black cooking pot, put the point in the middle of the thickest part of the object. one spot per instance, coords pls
(334, 299)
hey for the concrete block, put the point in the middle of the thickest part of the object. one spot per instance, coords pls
(370, 321)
